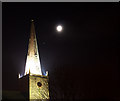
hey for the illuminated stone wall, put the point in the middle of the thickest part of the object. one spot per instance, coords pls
(38, 87)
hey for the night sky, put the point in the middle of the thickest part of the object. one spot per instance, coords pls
(82, 60)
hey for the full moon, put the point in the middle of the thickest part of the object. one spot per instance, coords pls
(59, 28)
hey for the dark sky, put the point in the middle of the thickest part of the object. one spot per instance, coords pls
(83, 61)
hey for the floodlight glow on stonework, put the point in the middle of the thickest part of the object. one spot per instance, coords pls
(33, 62)
(33, 65)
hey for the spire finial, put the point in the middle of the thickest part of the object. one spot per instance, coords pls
(32, 20)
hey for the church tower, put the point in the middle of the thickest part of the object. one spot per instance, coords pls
(34, 85)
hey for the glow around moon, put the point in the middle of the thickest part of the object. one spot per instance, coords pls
(59, 28)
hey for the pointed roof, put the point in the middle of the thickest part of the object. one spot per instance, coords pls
(33, 61)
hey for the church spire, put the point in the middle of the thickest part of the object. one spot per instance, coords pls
(33, 61)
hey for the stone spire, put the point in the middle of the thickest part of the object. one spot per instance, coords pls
(33, 62)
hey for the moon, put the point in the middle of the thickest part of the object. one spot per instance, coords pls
(59, 28)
